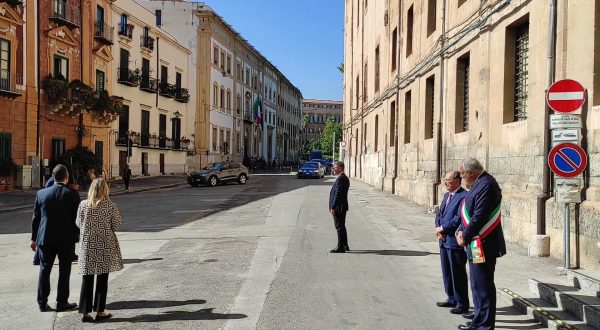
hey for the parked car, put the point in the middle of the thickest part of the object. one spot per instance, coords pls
(216, 173)
(311, 169)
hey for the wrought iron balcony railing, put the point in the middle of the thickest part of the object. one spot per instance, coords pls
(65, 14)
(103, 33)
(147, 42)
(148, 84)
(132, 139)
(9, 82)
(126, 30)
(128, 77)
(167, 90)
(182, 95)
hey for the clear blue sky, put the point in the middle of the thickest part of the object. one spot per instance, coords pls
(304, 39)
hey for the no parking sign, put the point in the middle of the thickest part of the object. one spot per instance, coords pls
(567, 160)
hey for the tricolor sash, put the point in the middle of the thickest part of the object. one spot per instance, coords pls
(492, 223)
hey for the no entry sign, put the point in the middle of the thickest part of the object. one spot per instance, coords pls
(567, 160)
(565, 95)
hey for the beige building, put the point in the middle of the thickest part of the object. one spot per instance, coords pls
(428, 83)
(230, 75)
(151, 74)
(317, 112)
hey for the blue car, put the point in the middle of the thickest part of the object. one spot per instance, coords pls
(311, 170)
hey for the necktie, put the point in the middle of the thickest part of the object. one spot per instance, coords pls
(448, 200)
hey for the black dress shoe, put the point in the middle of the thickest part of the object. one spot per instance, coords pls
(336, 250)
(103, 317)
(467, 326)
(87, 319)
(445, 304)
(459, 310)
(469, 315)
(65, 307)
(45, 308)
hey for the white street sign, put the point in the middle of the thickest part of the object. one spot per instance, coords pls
(567, 190)
(571, 134)
(565, 121)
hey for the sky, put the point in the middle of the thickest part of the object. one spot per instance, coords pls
(304, 39)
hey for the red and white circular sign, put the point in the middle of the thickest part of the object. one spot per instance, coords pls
(565, 95)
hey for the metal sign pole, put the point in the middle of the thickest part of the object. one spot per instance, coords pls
(566, 232)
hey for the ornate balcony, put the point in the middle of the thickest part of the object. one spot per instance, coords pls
(65, 14)
(148, 84)
(149, 141)
(182, 95)
(103, 33)
(167, 90)
(9, 82)
(128, 77)
(147, 42)
(126, 30)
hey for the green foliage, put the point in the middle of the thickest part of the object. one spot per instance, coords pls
(79, 161)
(326, 141)
(341, 67)
(56, 90)
(7, 166)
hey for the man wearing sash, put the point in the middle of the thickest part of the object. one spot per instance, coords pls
(481, 234)
(452, 256)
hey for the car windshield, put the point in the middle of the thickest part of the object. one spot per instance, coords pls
(311, 165)
(213, 166)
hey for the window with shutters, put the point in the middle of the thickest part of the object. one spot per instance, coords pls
(429, 106)
(58, 148)
(394, 48)
(409, 31)
(462, 94)
(516, 71)
(407, 116)
(99, 150)
(5, 146)
(100, 81)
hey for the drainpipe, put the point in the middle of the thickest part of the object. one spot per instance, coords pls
(37, 147)
(550, 70)
(396, 138)
(438, 153)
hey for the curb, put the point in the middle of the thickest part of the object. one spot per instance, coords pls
(123, 192)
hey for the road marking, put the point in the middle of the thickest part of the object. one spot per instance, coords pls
(192, 211)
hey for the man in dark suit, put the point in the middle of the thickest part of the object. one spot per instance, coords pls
(481, 233)
(452, 256)
(53, 232)
(338, 206)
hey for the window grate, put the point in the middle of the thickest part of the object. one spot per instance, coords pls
(521, 71)
(467, 67)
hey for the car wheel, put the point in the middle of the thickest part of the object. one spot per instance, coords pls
(212, 181)
(242, 178)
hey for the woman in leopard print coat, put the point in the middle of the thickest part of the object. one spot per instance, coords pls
(99, 253)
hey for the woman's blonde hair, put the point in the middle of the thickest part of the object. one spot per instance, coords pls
(98, 192)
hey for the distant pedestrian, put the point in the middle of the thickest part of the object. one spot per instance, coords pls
(452, 256)
(126, 176)
(53, 232)
(99, 253)
(481, 234)
(338, 206)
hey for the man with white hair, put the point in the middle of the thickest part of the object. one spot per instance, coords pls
(481, 234)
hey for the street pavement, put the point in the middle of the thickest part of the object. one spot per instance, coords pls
(255, 256)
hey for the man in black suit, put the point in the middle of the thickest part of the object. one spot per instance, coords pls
(481, 234)
(338, 206)
(53, 232)
(452, 256)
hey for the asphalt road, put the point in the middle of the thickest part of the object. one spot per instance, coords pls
(246, 257)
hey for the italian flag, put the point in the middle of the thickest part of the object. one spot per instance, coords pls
(257, 107)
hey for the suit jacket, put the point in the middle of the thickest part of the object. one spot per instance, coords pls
(54, 216)
(480, 201)
(338, 196)
(449, 218)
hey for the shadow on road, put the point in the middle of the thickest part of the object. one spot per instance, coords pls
(136, 304)
(518, 323)
(401, 253)
(202, 314)
(137, 261)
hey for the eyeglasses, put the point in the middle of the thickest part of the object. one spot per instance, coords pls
(450, 180)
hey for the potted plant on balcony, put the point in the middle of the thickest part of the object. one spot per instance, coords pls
(56, 91)
(184, 142)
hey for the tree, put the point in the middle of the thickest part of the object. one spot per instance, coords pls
(79, 161)
(326, 141)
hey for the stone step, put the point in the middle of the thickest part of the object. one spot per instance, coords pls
(581, 304)
(588, 281)
(545, 313)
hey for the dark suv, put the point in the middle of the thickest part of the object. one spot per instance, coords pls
(216, 173)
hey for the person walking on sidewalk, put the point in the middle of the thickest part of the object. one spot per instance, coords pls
(99, 253)
(126, 176)
(338, 206)
(452, 256)
(481, 233)
(53, 232)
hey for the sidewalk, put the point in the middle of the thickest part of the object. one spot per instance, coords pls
(23, 199)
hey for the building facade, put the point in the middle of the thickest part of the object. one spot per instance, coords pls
(428, 83)
(243, 101)
(316, 113)
(151, 74)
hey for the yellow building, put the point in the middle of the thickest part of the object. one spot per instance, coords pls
(428, 83)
